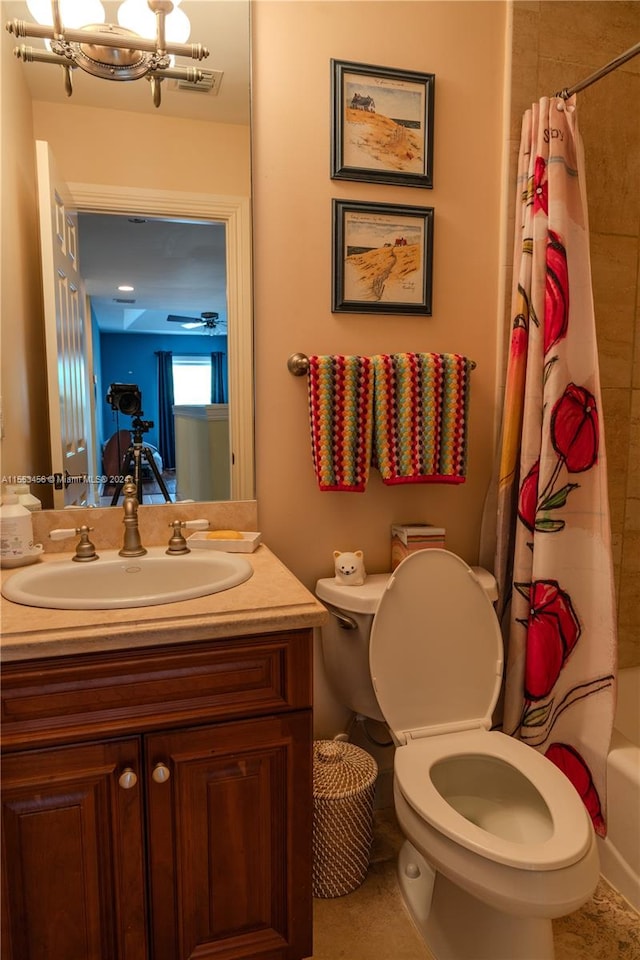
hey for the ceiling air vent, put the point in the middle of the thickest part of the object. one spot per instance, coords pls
(122, 300)
(210, 83)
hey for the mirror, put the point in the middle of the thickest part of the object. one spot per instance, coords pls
(158, 302)
(223, 222)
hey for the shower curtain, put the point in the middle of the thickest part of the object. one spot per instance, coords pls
(553, 557)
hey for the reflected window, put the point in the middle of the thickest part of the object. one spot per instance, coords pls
(191, 380)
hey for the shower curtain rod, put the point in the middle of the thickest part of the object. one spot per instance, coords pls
(613, 65)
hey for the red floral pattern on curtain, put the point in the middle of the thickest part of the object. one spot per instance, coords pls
(572, 764)
(553, 560)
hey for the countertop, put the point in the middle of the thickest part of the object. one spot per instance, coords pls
(272, 599)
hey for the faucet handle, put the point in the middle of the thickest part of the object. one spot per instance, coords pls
(85, 549)
(177, 542)
(196, 524)
(63, 533)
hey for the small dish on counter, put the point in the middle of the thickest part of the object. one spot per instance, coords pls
(246, 543)
(24, 558)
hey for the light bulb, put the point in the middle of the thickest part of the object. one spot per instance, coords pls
(177, 26)
(40, 10)
(78, 13)
(74, 13)
(135, 15)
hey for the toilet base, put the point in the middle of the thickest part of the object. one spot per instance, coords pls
(457, 926)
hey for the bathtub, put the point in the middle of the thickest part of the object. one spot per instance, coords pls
(620, 850)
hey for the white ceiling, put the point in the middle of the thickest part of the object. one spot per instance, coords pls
(175, 267)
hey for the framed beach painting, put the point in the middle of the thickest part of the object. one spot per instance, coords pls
(382, 124)
(382, 258)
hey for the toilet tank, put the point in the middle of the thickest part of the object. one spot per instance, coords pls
(345, 640)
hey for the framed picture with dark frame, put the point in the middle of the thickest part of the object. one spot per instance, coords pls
(382, 258)
(382, 124)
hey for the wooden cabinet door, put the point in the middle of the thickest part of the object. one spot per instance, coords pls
(230, 840)
(72, 852)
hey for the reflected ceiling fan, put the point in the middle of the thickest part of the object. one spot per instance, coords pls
(209, 320)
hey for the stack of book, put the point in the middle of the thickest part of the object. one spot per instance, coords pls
(406, 538)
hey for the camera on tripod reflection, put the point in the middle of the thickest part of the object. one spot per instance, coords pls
(126, 398)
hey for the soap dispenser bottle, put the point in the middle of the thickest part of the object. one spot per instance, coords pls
(16, 533)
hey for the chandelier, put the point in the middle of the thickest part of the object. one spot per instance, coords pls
(144, 43)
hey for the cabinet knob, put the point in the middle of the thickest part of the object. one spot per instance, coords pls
(127, 779)
(161, 773)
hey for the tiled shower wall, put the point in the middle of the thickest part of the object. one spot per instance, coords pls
(555, 45)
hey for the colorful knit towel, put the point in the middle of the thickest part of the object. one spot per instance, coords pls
(341, 414)
(420, 417)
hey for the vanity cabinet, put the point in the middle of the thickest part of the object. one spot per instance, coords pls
(157, 805)
(72, 854)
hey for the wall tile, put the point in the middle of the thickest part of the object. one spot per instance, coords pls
(629, 591)
(613, 260)
(615, 404)
(586, 33)
(610, 128)
(524, 63)
(636, 352)
(633, 479)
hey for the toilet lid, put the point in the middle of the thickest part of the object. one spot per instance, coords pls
(436, 649)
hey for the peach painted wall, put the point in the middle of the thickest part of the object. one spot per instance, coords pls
(117, 148)
(24, 407)
(463, 44)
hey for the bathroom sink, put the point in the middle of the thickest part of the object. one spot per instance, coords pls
(113, 581)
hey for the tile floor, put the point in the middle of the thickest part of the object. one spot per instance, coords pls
(371, 923)
(151, 492)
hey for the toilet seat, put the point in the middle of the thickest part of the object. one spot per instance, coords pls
(569, 836)
(435, 620)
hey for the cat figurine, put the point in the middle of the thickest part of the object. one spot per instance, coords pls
(349, 568)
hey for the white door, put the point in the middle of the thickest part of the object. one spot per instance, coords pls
(67, 342)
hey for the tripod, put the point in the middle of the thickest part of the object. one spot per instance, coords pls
(131, 463)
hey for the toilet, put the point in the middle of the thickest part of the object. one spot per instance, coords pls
(498, 841)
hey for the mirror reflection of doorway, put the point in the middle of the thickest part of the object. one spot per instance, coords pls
(166, 337)
(232, 215)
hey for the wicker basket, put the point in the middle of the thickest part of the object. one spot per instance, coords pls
(344, 778)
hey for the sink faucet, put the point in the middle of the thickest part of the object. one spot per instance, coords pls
(85, 550)
(132, 545)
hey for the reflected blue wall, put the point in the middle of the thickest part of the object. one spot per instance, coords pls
(130, 358)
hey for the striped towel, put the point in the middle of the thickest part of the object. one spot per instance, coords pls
(420, 417)
(341, 415)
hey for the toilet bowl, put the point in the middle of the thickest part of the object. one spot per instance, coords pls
(498, 841)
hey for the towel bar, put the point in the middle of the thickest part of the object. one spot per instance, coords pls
(298, 364)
